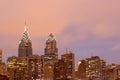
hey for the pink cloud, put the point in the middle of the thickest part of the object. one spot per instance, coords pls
(116, 48)
(105, 31)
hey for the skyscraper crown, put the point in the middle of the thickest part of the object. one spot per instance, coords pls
(51, 37)
(25, 36)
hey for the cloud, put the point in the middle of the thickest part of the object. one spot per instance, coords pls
(105, 31)
(116, 48)
(79, 32)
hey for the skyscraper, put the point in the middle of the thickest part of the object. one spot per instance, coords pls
(49, 58)
(25, 45)
(51, 48)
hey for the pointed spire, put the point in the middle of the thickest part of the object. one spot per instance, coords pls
(25, 29)
(25, 36)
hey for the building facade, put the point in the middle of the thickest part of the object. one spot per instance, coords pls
(95, 68)
(60, 70)
(34, 67)
(17, 68)
(68, 59)
(81, 72)
(113, 72)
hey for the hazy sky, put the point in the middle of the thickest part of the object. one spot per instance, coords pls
(86, 27)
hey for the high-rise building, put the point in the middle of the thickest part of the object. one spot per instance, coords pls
(34, 67)
(49, 58)
(0, 56)
(51, 49)
(95, 68)
(25, 45)
(17, 68)
(68, 58)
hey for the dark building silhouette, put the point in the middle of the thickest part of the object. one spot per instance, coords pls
(25, 45)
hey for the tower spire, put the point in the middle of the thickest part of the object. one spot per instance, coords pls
(25, 29)
(25, 36)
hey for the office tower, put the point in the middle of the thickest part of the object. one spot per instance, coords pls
(25, 45)
(95, 68)
(49, 58)
(51, 49)
(17, 68)
(68, 58)
(34, 67)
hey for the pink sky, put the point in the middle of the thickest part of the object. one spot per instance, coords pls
(87, 27)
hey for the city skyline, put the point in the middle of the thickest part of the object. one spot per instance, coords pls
(91, 27)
